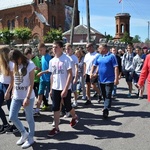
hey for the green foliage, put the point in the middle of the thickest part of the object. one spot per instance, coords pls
(23, 33)
(109, 37)
(136, 39)
(126, 38)
(6, 36)
(53, 35)
(147, 40)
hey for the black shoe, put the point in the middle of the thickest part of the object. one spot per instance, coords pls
(12, 130)
(4, 128)
(95, 94)
(99, 98)
(88, 102)
(105, 113)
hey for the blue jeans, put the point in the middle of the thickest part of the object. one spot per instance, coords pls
(81, 85)
(114, 92)
(13, 115)
(3, 88)
(107, 93)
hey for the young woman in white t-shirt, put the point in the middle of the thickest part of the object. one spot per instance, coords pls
(23, 95)
(5, 86)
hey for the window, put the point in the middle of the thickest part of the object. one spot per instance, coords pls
(26, 22)
(116, 28)
(53, 2)
(122, 28)
(13, 24)
(40, 1)
(53, 21)
(8, 24)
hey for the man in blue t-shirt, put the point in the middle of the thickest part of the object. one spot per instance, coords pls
(44, 84)
(107, 75)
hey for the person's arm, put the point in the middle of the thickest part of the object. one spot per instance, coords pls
(144, 72)
(42, 72)
(76, 74)
(116, 70)
(30, 88)
(92, 74)
(7, 94)
(51, 79)
(123, 62)
(84, 69)
(68, 82)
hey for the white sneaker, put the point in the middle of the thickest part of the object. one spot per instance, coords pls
(75, 104)
(23, 138)
(67, 115)
(28, 143)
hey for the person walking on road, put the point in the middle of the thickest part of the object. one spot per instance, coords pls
(6, 79)
(145, 75)
(107, 75)
(23, 95)
(127, 60)
(88, 62)
(61, 77)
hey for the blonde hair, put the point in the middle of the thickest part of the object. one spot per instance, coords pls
(4, 61)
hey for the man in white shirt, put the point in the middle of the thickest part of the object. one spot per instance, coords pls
(88, 62)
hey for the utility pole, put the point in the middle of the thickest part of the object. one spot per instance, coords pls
(148, 30)
(73, 22)
(88, 21)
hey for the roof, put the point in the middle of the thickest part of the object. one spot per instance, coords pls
(42, 18)
(82, 29)
(14, 3)
(142, 45)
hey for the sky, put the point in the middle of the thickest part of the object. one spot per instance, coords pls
(103, 12)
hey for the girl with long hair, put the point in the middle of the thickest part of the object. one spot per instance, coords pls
(23, 95)
(5, 86)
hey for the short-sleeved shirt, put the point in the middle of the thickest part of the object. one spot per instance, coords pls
(21, 83)
(44, 66)
(106, 64)
(59, 67)
(37, 63)
(6, 79)
(74, 61)
(88, 60)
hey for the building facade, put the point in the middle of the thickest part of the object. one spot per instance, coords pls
(38, 15)
(80, 34)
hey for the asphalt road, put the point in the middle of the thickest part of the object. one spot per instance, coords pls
(127, 128)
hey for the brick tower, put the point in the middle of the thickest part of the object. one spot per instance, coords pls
(122, 25)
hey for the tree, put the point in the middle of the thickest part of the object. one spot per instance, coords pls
(6, 36)
(147, 40)
(126, 38)
(53, 35)
(23, 34)
(109, 37)
(136, 39)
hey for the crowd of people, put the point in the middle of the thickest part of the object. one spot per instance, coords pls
(28, 82)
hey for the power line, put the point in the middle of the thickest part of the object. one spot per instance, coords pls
(135, 10)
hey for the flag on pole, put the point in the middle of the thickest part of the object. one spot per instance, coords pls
(120, 1)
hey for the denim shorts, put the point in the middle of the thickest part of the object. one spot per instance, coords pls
(73, 86)
(43, 85)
(56, 99)
(135, 78)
